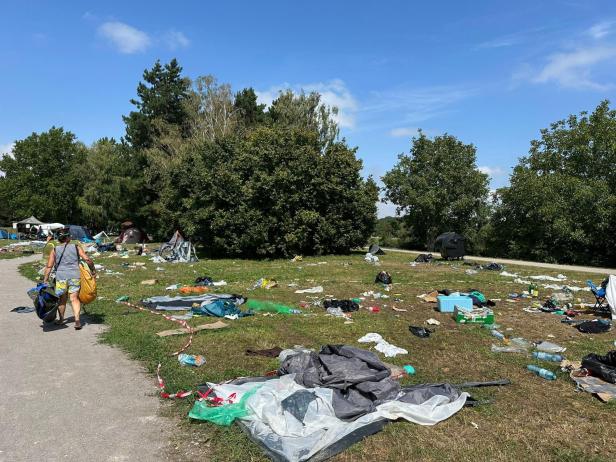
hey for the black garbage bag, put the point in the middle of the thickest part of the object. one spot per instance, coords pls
(594, 327)
(424, 258)
(383, 277)
(346, 306)
(421, 332)
(603, 367)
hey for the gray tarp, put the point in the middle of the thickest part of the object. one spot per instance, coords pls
(359, 379)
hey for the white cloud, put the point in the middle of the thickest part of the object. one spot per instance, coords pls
(573, 69)
(175, 39)
(6, 149)
(601, 29)
(402, 132)
(417, 104)
(333, 93)
(491, 171)
(125, 38)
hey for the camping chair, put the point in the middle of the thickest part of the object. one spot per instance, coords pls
(599, 293)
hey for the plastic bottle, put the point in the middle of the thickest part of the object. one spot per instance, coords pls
(374, 309)
(547, 356)
(497, 334)
(548, 375)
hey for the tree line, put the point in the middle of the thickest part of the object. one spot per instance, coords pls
(560, 205)
(256, 181)
(244, 179)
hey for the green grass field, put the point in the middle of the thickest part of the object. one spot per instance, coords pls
(532, 419)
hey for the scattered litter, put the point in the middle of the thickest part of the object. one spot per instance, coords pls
(371, 258)
(507, 349)
(398, 309)
(265, 284)
(345, 305)
(384, 278)
(475, 425)
(297, 258)
(510, 275)
(149, 282)
(191, 360)
(410, 370)
(312, 290)
(541, 372)
(549, 347)
(433, 322)
(374, 309)
(543, 277)
(158, 268)
(173, 287)
(420, 332)
(430, 297)
(336, 312)
(597, 326)
(383, 346)
(23, 309)
(470, 272)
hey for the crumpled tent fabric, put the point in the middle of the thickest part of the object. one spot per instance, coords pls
(359, 379)
(293, 423)
(186, 303)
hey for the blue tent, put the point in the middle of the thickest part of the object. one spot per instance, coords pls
(3, 234)
(80, 233)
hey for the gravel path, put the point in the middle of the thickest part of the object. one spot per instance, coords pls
(533, 264)
(65, 397)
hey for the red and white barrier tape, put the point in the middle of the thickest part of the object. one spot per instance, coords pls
(169, 318)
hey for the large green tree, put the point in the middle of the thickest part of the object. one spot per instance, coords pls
(112, 185)
(250, 112)
(42, 177)
(561, 204)
(438, 188)
(270, 193)
(162, 98)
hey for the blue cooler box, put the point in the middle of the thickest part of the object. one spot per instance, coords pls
(448, 304)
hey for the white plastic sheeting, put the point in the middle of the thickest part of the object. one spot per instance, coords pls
(294, 440)
(610, 294)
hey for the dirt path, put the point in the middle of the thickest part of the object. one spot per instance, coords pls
(67, 397)
(534, 264)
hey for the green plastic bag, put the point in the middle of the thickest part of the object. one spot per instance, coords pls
(221, 415)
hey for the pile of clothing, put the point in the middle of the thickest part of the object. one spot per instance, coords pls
(217, 305)
(321, 403)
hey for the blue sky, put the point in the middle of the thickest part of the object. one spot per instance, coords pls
(492, 73)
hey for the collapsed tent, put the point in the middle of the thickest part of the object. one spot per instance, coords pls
(323, 403)
(178, 249)
(131, 234)
(186, 303)
(376, 250)
(3, 234)
(450, 245)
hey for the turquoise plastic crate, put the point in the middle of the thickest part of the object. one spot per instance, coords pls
(448, 303)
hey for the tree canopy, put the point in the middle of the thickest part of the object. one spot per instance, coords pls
(438, 188)
(41, 177)
(561, 204)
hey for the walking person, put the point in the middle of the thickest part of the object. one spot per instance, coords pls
(65, 259)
